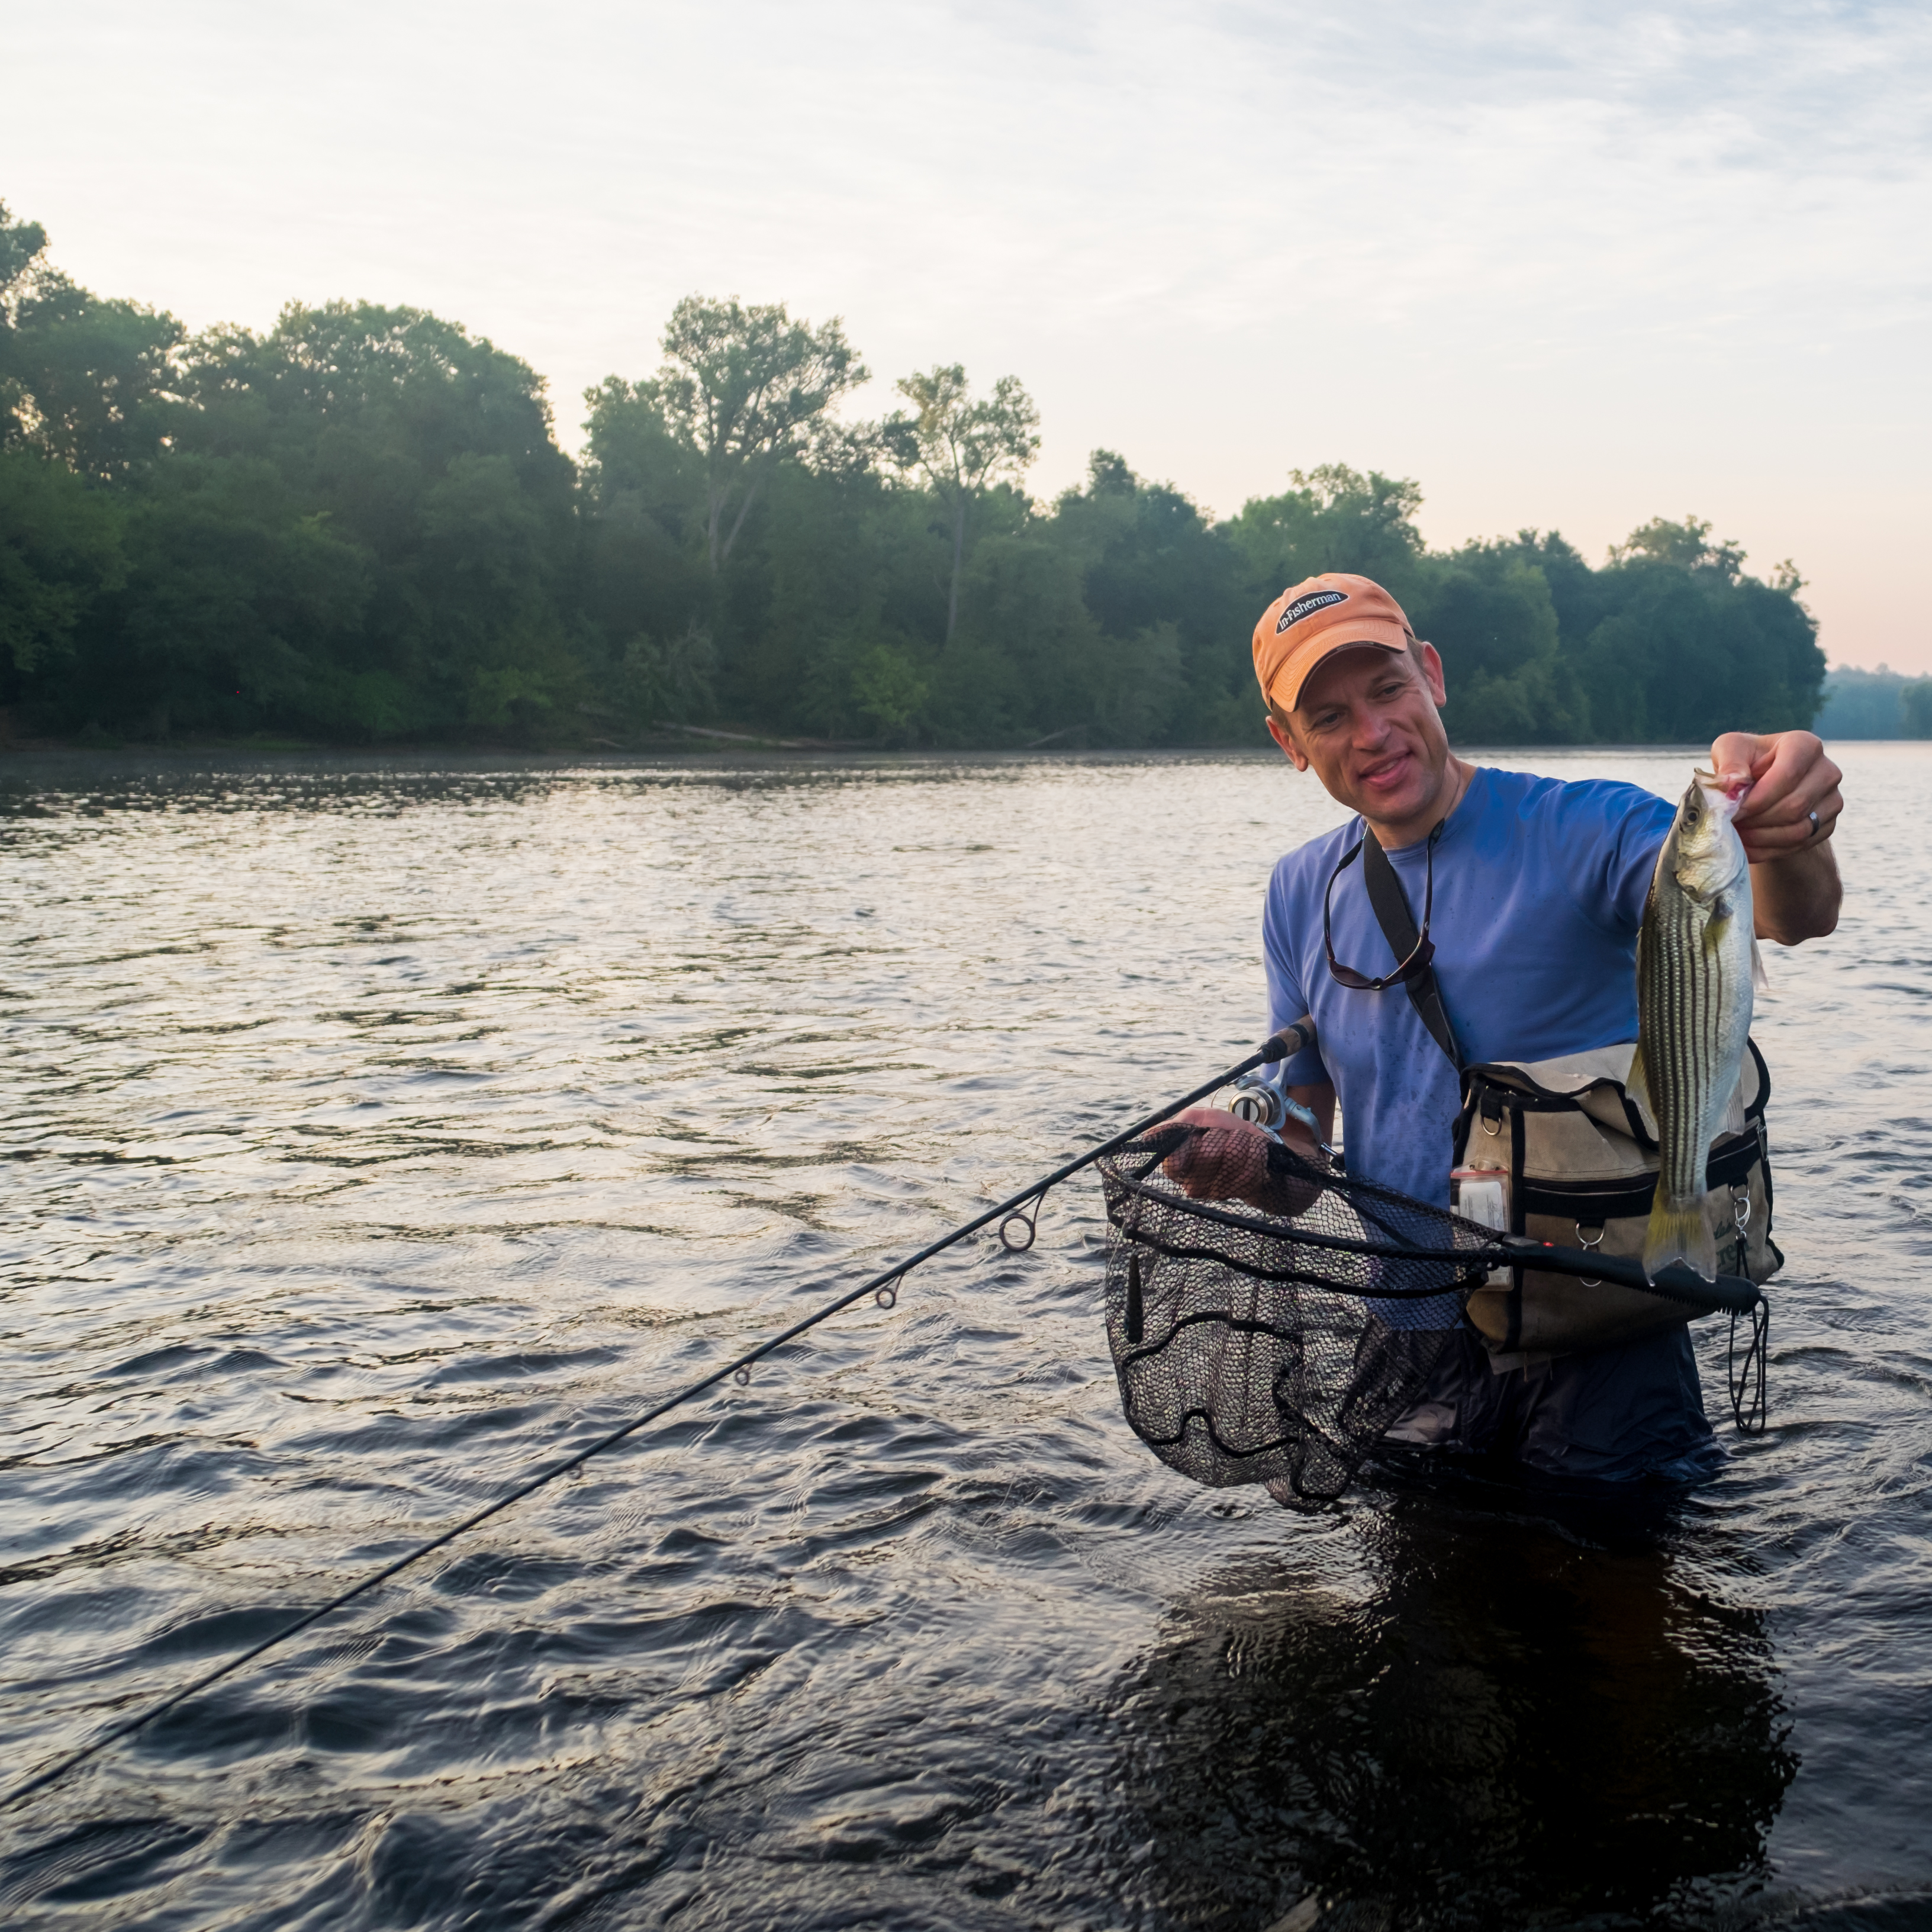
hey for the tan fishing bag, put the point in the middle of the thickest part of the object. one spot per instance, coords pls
(1578, 1156)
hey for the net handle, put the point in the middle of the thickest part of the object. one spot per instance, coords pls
(1678, 1282)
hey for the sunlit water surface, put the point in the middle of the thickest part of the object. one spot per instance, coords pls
(374, 1129)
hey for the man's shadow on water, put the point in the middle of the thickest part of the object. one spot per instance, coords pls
(1531, 1716)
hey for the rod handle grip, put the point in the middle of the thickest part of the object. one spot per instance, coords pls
(1297, 1037)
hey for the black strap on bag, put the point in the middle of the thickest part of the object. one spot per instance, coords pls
(1390, 904)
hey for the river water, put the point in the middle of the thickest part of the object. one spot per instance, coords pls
(374, 1129)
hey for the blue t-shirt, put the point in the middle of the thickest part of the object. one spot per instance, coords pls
(1540, 888)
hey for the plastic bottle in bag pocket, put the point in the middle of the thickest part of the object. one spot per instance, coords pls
(1481, 1194)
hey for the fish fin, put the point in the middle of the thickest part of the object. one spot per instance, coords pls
(1678, 1235)
(1760, 979)
(1637, 1085)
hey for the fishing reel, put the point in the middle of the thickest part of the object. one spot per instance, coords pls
(1255, 1097)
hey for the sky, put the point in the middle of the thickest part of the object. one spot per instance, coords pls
(1570, 266)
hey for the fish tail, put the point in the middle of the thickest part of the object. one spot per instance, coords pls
(1678, 1235)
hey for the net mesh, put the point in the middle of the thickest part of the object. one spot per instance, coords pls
(1276, 1346)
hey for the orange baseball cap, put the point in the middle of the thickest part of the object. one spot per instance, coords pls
(1316, 618)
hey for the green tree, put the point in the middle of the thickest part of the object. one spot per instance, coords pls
(667, 679)
(240, 609)
(1170, 593)
(60, 552)
(889, 690)
(644, 507)
(1490, 614)
(22, 244)
(744, 387)
(1688, 545)
(1692, 645)
(428, 453)
(1028, 655)
(98, 377)
(836, 627)
(962, 447)
(86, 381)
(1333, 518)
(1579, 594)
(483, 623)
(362, 407)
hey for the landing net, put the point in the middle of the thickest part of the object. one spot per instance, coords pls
(1276, 1347)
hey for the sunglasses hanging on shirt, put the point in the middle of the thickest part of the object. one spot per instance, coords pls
(1414, 973)
(1421, 954)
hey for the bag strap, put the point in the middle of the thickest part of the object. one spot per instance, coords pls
(1398, 924)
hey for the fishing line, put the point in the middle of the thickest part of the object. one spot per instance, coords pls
(1021, 1210)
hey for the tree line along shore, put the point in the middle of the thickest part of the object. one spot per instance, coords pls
(357, 528)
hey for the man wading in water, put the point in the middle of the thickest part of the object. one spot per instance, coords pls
(1537, 890)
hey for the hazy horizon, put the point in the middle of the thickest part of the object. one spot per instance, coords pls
(1569, 267)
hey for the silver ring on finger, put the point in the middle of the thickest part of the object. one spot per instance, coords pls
(1816, 827)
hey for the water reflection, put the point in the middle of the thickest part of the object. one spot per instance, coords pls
(1454, 1715)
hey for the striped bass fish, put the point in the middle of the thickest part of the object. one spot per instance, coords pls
(1696, 966)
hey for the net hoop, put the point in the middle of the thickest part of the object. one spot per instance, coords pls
(1252, 1346)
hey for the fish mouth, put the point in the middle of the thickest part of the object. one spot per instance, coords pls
(1732, 785)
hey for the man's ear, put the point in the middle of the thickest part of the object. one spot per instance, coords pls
(1431, 675)
(1290, 750)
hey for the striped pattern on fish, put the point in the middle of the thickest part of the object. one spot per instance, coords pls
(1696, 959)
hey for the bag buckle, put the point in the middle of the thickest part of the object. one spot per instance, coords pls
(1589, 1243)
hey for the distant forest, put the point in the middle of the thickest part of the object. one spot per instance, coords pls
(358, 528)
(1880, 704)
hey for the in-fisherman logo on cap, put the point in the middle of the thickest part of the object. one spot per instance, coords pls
(1316, 600)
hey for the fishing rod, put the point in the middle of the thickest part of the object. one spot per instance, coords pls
(1020, 1210)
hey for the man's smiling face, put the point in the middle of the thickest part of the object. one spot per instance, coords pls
(1366, 720)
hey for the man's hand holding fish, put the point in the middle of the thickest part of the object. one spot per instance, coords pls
(1786, 822)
